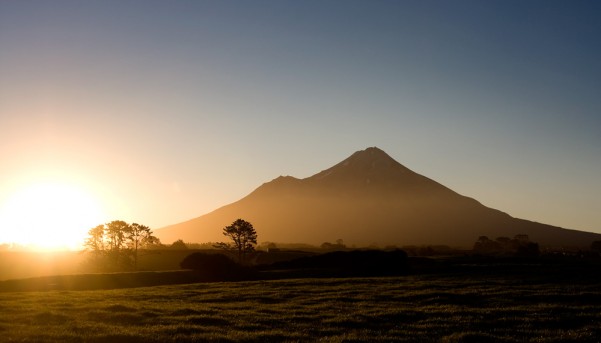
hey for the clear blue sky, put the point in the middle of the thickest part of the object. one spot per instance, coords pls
(169, 109)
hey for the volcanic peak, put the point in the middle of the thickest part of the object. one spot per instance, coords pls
(368, 197)
(365, 166)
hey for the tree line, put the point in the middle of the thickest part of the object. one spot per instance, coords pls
(115, 245)
(520, 245)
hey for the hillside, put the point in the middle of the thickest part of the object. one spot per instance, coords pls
(367, 198)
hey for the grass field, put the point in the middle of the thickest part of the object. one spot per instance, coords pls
(426, 308)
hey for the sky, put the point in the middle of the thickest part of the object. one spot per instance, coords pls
(165, 110)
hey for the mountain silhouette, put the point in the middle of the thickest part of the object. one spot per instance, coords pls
(369, 198)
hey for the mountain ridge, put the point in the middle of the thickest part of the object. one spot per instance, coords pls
(367, 198)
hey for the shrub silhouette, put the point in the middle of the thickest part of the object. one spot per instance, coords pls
(215, 267)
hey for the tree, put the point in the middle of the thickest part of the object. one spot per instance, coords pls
(244, 239)
(520, 245)
(117, 250)
(95, 242)
(179, 245)
(339, 245)
(115, 234)
(118, 243)
(138, 236)
(485, 245)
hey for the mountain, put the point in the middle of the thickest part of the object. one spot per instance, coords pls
(367, 198)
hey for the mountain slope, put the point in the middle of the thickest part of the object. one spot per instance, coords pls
(367, 198)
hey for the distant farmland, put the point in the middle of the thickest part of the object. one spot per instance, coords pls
(447, 308)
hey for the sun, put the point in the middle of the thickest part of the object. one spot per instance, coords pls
(49, 216)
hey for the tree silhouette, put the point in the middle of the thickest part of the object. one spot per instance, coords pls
(179, 245)
(520, 245)
(115, 233)
(137, 236)
(95, 242)
(244, 239)
(117, 249)
(119, 242)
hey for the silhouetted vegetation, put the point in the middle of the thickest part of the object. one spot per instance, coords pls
(348, 263)
(280, 255)
(520, 245)
(115, 245)
(431, 250)
(339, 245)
(270, 247)
(138, 236)
(178, 245)
(216, 267)
(201, 246)
(551, 267)
(243, 236)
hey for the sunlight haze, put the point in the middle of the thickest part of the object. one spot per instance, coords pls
(157, 112)
(49, 216)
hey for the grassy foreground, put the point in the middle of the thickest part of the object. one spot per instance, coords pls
(405, 309)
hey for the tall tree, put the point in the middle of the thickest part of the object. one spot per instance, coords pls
(138, 236)
(117, 247)
(115, 234)
(243, 236)
(95, 242)
(119, 243)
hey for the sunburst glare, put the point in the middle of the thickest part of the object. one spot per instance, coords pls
(48, 216)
